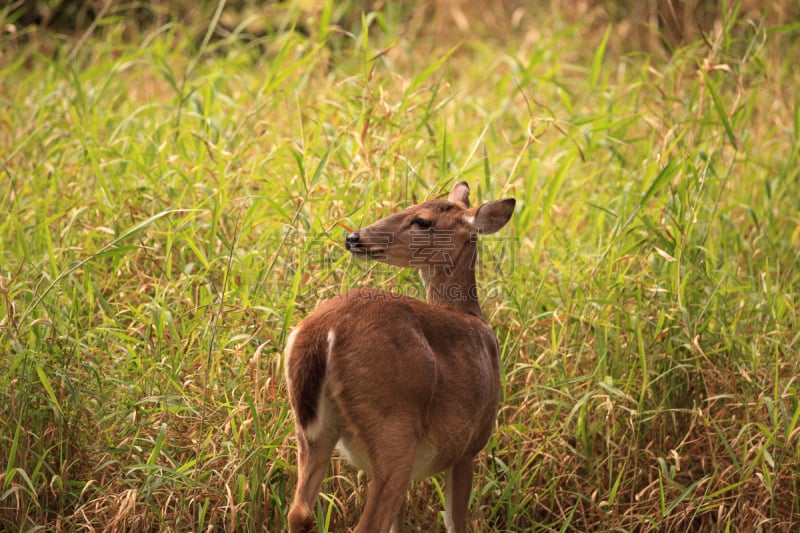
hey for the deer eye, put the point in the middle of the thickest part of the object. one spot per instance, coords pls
(422, 223)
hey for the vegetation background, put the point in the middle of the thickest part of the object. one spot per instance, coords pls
(177, 178)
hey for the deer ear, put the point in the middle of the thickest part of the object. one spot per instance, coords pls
(491, 216)
(460, 194)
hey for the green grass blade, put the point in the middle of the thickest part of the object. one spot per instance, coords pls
(597, 59)
(48, 387)
(719, 107)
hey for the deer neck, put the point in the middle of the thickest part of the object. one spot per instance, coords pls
(454, 287)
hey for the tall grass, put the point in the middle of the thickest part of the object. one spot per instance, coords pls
(174, 200)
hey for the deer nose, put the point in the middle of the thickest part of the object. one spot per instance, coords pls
(352, 241)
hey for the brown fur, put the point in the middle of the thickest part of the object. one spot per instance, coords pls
(406, 388)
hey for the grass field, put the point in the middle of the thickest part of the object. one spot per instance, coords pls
(174, 198)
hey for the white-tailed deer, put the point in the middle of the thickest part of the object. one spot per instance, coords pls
(405, 389)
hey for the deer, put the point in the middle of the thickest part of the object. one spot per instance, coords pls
(405, 389)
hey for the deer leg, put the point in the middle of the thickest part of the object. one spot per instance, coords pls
(392, 463)
(385, 497)
(313, 458)
(399, 520)
(456, 494)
